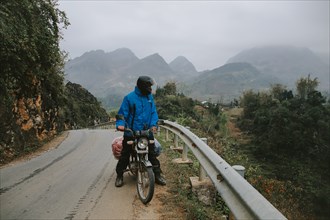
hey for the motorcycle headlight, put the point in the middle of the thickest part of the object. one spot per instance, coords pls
(143, 143)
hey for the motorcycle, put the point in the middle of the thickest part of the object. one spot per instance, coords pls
(140, 166)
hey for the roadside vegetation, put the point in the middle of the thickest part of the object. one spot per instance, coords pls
(281, 138)
(35, 103)
(291, 141)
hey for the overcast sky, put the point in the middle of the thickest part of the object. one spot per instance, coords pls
(207, 33)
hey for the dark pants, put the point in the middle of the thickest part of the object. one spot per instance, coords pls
(125, 154)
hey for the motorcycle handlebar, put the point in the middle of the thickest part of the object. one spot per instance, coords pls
(136, 133)
(139, 133)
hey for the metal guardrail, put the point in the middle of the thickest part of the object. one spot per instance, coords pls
(244, 201)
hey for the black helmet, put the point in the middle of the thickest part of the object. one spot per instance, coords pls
(144, 83)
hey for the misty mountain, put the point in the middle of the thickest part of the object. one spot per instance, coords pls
(184, 67)
(154, 66)
(325, 58)
(94, 68)
(114, 89)
(109, 76)
(287, 63)
(228, 82)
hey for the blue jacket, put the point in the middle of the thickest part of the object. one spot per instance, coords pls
(139, 108)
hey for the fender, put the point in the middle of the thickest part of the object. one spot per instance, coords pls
(147, 163)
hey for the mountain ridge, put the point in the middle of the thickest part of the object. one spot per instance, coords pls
(183, 66)
(107, 74)
(227, 82)
(288, 63)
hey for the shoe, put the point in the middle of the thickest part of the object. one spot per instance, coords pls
(119, 181)
(160, 180)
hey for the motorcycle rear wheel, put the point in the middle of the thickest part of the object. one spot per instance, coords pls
(145, 183)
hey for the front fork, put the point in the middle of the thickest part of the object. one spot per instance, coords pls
(144, 160)
(143, 165)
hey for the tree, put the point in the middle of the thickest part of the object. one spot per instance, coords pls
(294, 126)
(168, 89)
(306, 86)
(30, 52)
(250, 103)
(280, 92)
(31, 73)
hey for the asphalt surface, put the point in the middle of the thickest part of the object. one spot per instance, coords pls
(73, 181)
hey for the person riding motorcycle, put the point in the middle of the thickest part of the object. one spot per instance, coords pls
(139, 113)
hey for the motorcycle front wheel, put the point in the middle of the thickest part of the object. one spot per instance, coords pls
(145, 183)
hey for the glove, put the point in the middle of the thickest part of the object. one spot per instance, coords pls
(154, 129)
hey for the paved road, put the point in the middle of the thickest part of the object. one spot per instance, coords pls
(73, 181)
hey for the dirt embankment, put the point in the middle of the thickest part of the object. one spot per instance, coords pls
(54, 143)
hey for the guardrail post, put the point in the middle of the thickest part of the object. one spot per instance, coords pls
(176, 141)
(166, 135)
(184, 155)
(240, 169)
(202, 172)
(202, 186)
(176, 144)
(185, 150)
(158, 131)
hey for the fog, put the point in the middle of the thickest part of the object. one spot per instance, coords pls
(207, 33)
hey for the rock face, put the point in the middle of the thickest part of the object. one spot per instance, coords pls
(32, 119)
(35, 116)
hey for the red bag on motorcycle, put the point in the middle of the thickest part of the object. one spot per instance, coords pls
(117, 146)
